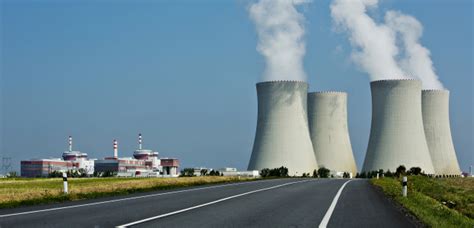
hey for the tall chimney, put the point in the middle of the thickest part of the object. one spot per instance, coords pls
(140, 141)
(70, 143)
(115, 149)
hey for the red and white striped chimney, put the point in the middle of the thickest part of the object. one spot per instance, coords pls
(70, 143)
(140, 141)
(115, 149)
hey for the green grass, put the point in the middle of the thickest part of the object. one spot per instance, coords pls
(426, 196)
(30, 191)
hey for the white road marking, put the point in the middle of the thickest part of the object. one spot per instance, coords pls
(123, 199)
(206, 204)
(328, 214)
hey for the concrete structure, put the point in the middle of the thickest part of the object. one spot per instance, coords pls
(327, 118)
(397, 136)
(282, 135)
(435, 108)
(170, 167)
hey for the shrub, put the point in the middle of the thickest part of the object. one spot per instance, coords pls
(276, 172)
(187, 172)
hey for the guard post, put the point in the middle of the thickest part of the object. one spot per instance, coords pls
(405, 186)
(65, 183)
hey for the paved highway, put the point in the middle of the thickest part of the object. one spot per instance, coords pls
(267, 203)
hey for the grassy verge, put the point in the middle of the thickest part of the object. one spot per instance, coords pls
(19, 192)
(435, 202)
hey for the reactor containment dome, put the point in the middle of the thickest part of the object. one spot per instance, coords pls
(397, 136)
(435, 108)
(282, 136)
(327, 118)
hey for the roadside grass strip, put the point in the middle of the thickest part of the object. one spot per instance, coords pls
(426, 196)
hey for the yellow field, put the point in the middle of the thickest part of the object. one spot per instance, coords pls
(15, 192)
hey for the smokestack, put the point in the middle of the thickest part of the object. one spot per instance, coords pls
(327, 118)
(70, 143)
(140, 141)
(397, 136)
(435, 108)
(115, 149)
(282, 136)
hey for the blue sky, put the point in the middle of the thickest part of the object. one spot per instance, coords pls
(183, 73)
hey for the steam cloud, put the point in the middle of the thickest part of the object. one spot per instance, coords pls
(375, 45)
(280, 29)
(416, 59)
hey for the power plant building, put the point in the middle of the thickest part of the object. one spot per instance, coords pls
(145, 163)
(327, 117)
(397, 136)
(282, 135)
(43, 167)
(435, 108)
(71, 161)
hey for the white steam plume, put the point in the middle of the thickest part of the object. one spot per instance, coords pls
(280, 29)
(374, 45)
(416, 60)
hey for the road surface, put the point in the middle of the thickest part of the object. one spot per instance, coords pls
(268, 203)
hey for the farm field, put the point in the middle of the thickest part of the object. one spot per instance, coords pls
(29, 191)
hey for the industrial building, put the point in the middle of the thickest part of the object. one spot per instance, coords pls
(43, 167)
(435, 108)
(145, 163)
(233, 172)
(397, 135)
(71, 161)
(282, 135)
(327, 118)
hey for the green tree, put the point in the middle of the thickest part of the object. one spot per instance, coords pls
(401, 170)
(415, 171)
(323, 172)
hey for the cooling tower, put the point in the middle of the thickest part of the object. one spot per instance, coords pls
(282, 136)
(435, 108)
(327, 118)
(397, 136)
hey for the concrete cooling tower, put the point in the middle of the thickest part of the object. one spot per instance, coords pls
(327, 118)
(282, 136)
(435, 108)
(397, 136)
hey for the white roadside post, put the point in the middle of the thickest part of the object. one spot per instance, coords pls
(65, 183)
(377, 175)
(405, 186)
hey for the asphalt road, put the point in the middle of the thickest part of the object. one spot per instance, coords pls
(268, 203)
